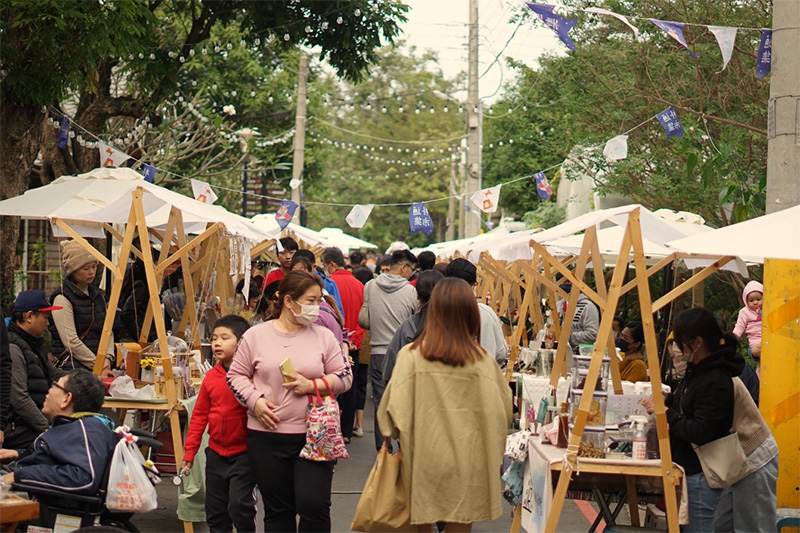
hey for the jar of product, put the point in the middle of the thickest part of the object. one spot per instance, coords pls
(582, 362)
(579, 380)
(597, 408)
(585, 349)
(593, 442)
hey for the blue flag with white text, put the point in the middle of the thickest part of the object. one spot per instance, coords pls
(764, 62)
(149, 173)
(674, 30)
(63, 133)
(419, 219)
(557, 23)
(669, 121)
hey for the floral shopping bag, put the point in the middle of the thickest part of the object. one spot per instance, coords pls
(324, 441)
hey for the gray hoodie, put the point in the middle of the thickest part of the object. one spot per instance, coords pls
(391, 300)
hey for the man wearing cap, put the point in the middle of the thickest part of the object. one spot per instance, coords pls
(492, 339)
(31, 371)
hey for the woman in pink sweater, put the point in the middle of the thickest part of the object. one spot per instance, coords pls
(276, 427)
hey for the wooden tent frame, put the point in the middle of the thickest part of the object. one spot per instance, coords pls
(208, 242)
(606, 300)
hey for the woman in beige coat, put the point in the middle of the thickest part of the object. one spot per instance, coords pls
(449, 405)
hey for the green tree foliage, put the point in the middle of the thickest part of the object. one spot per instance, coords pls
(613, 82)
(388, 140)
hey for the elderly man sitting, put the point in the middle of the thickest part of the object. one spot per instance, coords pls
(72, 455)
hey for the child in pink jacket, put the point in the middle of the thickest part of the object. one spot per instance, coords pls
(749, 321)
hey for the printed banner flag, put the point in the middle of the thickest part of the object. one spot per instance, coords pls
(624, 19)
(557, 23)
(202, 192)
(110, 156)
(669, 121)
(419, 219)
(63, 133)
(726, 37)
(674, 30)
(487, 199)
(764, 63)
(149, 173)
(616, 149)
(543, 186)
(358, 215)
(285, 213)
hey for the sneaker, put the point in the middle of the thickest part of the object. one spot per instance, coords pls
(358, 432)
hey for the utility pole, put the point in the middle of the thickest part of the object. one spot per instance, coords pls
(780, 366)
(474, 120)
(299, 136)
(451, 204)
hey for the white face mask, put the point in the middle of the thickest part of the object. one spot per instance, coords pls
(308, 314)
(688, 358)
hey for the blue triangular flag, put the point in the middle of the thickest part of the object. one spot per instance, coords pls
(557, 23)
(674, 30)
(285, 213)
(63, 133)
(149, 173)
(764, 62)
(419, 219)
(669, 121)
(543, 186)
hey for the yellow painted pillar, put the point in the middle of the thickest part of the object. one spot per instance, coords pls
(780, 371)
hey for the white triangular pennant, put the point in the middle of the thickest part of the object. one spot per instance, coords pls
(202, 192)
(624, 19)
(616, 148)
(110, 156)
(726, 37)
(358, 215)
(487, 199)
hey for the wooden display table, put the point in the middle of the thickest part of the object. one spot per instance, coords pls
(16, 509)
(603, 478)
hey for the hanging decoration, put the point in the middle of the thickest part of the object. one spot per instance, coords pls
(624, 19)
(202, 192)
(110, 156)
(358, 215)
(543, 186)
(560, 25)
(674, 30)
(149, 173)
(419, 219)
(487, 199)
(726, 37)
(669, 121)
(285, 213)
(764, 63)
(63, 133)
(616, 149)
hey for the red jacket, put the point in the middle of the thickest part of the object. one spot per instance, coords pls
(351, 291)
(226, 418)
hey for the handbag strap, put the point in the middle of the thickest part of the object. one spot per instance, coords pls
(328, 385)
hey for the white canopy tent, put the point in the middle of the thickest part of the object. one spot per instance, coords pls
(752, 240)
(266, 222)
(447, 249)
(345, 242)
(656, 231)
(104, 196)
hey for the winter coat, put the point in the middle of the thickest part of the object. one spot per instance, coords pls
(89, 312)
(452, 423)
(391, 301)
(701, 408)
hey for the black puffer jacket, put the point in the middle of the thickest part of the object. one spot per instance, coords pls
(89, 311)
(701, 409)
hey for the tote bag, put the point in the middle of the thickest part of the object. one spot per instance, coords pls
(723, 461)
(384, 504)
(324, 441)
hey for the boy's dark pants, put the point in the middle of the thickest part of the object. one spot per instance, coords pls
(230, 493)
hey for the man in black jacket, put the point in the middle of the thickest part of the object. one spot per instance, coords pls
(31, 371)
(72, 455)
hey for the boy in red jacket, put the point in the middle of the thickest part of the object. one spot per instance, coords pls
(230, 483)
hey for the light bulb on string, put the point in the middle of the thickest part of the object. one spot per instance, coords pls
(383, 109)
(308, 29)
(416, 111)
(257, 42)
(152, 56)
(182, 59)
(432, 110)
(243, 43)
(141, 55)
(216, 47)
(229, 46)
(253, 93)
(325, 25)
(445, 109)
(461, 109)
(357, 12)
(339, 19)
(400, 109)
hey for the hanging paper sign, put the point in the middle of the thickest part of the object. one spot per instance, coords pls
(543, 186)
(110, 156)
(624, 19)
(202, 192)
(487, 199)
(63, 133)
(295, 183)
(149, 173)
(358, 215)
(557, 23)
(285, 213)
(616, 149)
(669, 121)
(419, 219)
(674, 30)
(726, 37)
(764, 62)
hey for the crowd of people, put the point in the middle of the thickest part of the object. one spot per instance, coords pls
(406, 326)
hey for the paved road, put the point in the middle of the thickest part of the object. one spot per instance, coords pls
(348, 481)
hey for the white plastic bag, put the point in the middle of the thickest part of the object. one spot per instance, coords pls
(123, 387)
(129, 487)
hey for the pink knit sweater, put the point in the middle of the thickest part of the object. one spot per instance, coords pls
(254, 372)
